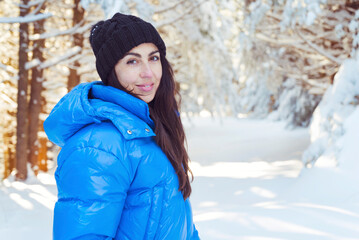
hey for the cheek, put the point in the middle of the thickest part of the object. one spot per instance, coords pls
(158, 72)
(126, 78)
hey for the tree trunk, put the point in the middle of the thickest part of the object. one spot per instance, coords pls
(35, 96)
(78, 16)
(22, 111)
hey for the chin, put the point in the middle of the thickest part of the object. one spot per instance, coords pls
(148, 99)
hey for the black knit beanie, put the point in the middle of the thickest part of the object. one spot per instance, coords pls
(112, 39)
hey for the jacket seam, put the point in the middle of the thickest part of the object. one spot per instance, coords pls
(69, 199)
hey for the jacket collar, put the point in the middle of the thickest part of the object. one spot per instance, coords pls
(94, 102)
(129, 114)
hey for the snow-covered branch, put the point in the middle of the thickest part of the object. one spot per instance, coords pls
(76, 29)
(33, 63)
(8, 68)
(39, 5)
(53, 61)
(7, 99)
(284, 42)
(318, 49)
(56, 60)
(162, 10)
(26, 19)
(32, 3)
(171, 21)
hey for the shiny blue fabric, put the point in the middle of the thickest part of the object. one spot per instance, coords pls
(113, 180)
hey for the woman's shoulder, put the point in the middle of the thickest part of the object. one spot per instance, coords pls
(101, 137)
(93, 164)
(97, 147)
(103, 132)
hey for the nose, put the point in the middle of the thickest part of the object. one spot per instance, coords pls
(146, 71)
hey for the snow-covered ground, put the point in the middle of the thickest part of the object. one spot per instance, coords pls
(249, 184)
(26, 208)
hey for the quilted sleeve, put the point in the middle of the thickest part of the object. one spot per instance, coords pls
(92, 188)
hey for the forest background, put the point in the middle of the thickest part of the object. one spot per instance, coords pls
(264, 58)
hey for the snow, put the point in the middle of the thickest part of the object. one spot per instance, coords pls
(26, 207)
(302, 12)
(294, 104)
(33, 63)
(249, 184)
(327, 126)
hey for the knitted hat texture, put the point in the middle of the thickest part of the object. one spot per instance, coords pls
(112, 39)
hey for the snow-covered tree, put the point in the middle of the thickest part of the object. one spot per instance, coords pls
(230, 57)
(35, 62)
(198, 37)
(304, 41)
(327, 127)
(8, 90)
(202, 60)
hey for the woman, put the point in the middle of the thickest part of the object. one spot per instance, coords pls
(123, 169)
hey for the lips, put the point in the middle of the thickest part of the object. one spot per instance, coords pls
(146, 87)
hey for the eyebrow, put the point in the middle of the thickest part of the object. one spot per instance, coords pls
(139, 55)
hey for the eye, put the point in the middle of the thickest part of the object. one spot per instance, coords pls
(131, 61)
(155, 58)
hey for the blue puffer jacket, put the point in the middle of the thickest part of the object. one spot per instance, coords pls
(113, 180)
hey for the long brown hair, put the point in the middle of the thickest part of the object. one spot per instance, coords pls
(170, 135)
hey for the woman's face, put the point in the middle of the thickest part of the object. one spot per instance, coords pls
(140, 71)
